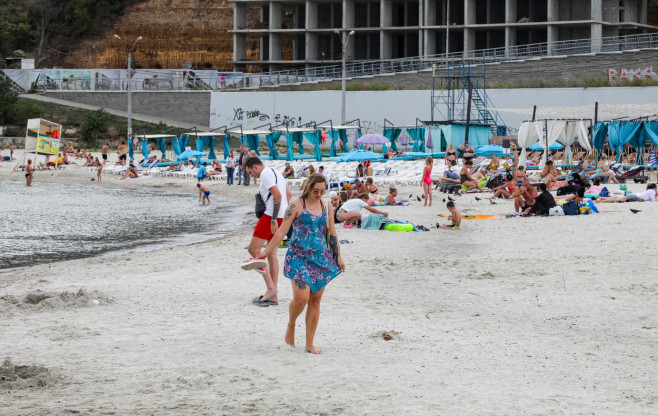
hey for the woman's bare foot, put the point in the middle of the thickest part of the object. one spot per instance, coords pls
(313, 350)
(290, 335)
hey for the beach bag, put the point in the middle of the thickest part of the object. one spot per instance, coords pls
(570, 208)
(260, 207)
(556, 211)
(604, 192)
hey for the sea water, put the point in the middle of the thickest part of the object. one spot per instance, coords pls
(53, 221)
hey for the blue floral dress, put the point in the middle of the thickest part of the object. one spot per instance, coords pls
(309, 259)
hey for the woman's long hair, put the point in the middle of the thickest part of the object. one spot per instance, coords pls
(312, 180)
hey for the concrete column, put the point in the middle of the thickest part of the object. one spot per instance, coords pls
(311, 48)
(421, 23)
(469, 19)
(553, 14)
(275, 38)
(510, 18)
(348, 24)
(596, 30)
(239, 40)
(429, 15)
(386, 19)
(642, 18)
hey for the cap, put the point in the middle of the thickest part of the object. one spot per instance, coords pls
(332, 194)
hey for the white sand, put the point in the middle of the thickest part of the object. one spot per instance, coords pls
(511, 316)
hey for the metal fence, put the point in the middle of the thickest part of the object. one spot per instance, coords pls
(188, 80)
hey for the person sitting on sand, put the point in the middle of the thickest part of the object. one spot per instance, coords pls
(648, 195)
(357, 189)
(603, 171)
(342, 198)
(455, 217)
(311, 171)
(204, 194)
(349, 212)
(70, 150)
(465, 177)
(506, 190)
(131, 173)
(524, 197)
(451, 175)
(392, 197)
(360, 171)
(494, 165)
(370, 186)
(575, 183)
(216, 167)
(333, 199)
(549, 174)
(202, 174)
(288, 172)
(544, 201)
(520, 176)
(579, 196)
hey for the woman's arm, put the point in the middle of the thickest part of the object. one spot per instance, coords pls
(333, 237)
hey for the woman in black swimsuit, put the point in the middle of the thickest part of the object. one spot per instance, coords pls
(451, 154)
(465, 176)
(468, 152)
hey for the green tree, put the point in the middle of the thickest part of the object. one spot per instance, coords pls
(95, 124)
(8, 100)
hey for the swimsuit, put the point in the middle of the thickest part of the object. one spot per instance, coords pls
(206, 192)
(463, 178)
(427, 178)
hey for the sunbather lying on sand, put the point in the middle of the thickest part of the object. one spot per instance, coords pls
(648, 195)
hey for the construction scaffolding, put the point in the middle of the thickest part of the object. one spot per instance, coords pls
(450, 97)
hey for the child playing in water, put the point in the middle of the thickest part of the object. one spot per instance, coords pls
(204, 193)
(454, 216)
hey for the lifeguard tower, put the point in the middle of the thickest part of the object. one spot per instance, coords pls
(42, 137)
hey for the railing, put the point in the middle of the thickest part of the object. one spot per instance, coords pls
(188, 80)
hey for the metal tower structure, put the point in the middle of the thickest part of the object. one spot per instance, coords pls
(450, 86)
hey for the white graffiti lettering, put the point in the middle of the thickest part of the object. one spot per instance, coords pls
(623, 74)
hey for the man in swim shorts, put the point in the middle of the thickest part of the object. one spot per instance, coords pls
(204, 194)
(122, 150)
(104, 151)
(524, 197)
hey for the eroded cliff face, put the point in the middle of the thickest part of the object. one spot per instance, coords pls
(178, 31)
(173, 32)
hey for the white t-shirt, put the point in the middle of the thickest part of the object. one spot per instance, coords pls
(648, 195)
(268, 180)
(353, 205)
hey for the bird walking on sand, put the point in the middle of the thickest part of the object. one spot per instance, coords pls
(477, 199)
(450, 199)
(491, 201)
(635, 211)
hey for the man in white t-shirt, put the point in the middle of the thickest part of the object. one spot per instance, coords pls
(275, 193)
(350, 211)
(649, 195)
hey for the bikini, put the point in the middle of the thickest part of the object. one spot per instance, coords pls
(449, 155)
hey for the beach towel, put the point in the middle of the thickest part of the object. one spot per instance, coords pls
(373, 222)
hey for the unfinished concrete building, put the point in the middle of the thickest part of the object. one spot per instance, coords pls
(299, 33)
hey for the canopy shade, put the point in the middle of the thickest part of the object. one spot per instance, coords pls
(294, 130)
(154, 136)
(554, 146)
(329, 127)
(246, 132)
(359, 156)
(204, 134)
(490, 150)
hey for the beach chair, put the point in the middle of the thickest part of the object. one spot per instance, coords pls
(636, 173)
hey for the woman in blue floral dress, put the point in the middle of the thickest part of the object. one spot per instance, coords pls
(309, 262)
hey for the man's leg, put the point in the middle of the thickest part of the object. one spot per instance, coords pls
(273, 270)
(255, 248)
(239, 175)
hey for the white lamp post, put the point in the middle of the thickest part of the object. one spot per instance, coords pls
(344, 43)
(130, 90)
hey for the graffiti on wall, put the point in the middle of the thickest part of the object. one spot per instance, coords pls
(624, 74)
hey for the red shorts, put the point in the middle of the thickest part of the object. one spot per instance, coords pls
(263, 229)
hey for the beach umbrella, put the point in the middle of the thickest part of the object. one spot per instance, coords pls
(372, 138)
(490, 150)
(429, 143)
(554, 146)
(190, 154)
(359, 156)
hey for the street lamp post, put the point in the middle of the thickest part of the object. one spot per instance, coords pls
(130, 90)
(344, 43)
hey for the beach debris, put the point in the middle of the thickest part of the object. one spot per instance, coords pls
(23, 376)
(387, 336)
(52, 300)
(444, 200)
(635, 211)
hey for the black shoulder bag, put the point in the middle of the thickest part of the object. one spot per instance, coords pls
(260, 202)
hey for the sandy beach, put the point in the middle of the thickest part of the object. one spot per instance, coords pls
(550, 316)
